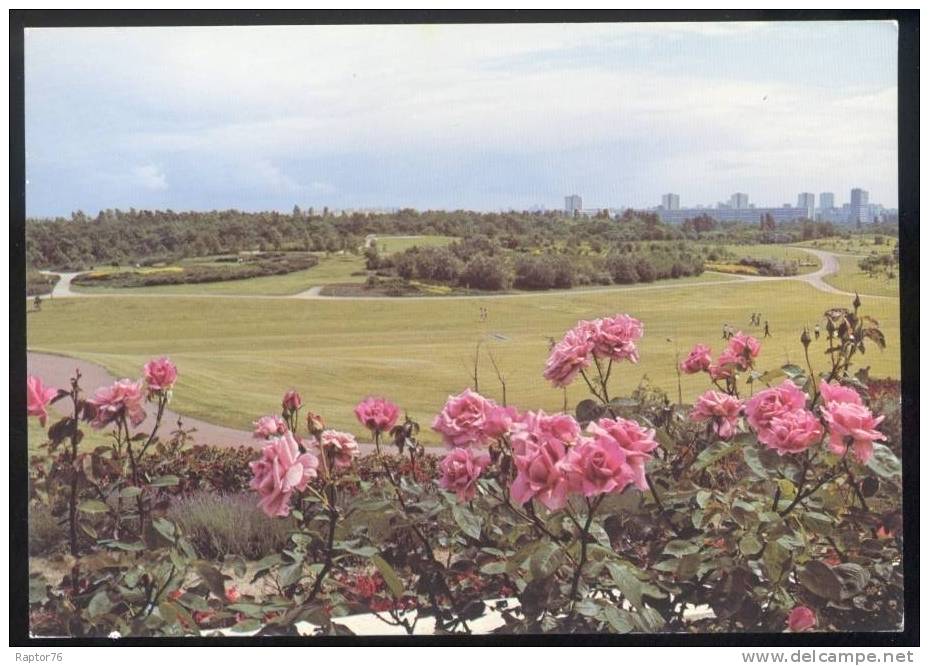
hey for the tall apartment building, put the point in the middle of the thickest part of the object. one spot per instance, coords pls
(807, 201)
(826, 201)
(670, 202)
(739, 200)
(572, 204)
(860, 211)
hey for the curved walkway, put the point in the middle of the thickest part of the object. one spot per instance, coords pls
(57, 370)
(829, 265)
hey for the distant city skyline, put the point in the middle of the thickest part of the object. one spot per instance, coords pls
(481, 117)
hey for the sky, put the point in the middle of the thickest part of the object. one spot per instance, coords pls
(482, 117)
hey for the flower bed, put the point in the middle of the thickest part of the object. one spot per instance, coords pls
(771, 504)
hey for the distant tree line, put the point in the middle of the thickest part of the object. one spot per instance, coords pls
(141, 236)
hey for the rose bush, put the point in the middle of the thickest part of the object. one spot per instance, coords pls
(771, 504)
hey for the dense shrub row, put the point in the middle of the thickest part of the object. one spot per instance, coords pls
(481, 263)
(276, 264)
(878, 263)
(771, 267)
(39, 283)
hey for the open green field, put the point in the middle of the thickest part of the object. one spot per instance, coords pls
(37, 435)
(237, 357)
(391, 244)
(857, 244)
(851, 278)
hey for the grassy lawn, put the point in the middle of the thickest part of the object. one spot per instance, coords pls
(236, 358)
(807, 262)
(37, 435)
(858, 244)
(852, 278)
(391, 244)
(331, 269)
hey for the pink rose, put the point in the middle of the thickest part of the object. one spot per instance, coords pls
(773, 402)
(160, 375)
(122, 398)
(742, 350)
(571, 354)
(500, 420)
(852, 425)
(280, 471)
(801, 618)
(461, 468)
(615, 337)
(698, 360)
(292, 401)
(635, 442)
(598, 465)
(342, 445)
(38, 398)
(793, 432)
(470, 418)
(720, 408)
(269, 426)
(838, 393)
(377, 414)
(541, 473)
(539, 428)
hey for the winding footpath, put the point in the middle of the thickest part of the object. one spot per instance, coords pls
(57, 370)
(829, 265)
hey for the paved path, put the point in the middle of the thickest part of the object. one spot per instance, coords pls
(62, 288)
(57, 371)
(829, 265)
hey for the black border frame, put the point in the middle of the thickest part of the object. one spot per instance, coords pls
(908, 179)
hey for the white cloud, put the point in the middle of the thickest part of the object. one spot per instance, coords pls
(259, 99)
(149, 177)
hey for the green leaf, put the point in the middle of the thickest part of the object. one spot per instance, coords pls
(291, 573)
(362, 551)
(715, 451)
(469, 523)
(93, 506)
(213, 578)
(617, 619)
(853, 578)
(492, 568)
(99, 604)
(124, 545)
(819, 579)
(587, 411)
(249, 624)
(703, 496)
(546, 560)
(165, 528)
(587, 607)
(627, 582)
(750, 545)
(394, 584)
(130, 491)
(167, 480)
(679, 548)
(884, 463)
(687, 566)
(817, 523)
(774, 561)
(754, 462)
